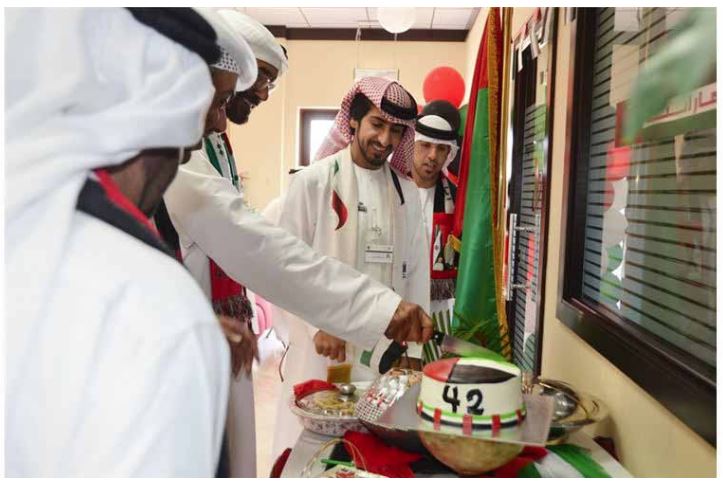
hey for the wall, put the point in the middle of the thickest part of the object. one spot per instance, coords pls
(320, 73)
(474, 37)
(650, 440)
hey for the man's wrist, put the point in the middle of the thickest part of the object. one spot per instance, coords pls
(387, 309)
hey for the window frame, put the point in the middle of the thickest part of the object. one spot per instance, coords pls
(306, 116)
(683, 384)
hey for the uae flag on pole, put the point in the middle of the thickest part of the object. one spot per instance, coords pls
(479, 310)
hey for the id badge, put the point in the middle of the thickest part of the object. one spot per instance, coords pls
(377, 253)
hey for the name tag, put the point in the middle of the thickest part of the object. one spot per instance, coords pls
(376, 253)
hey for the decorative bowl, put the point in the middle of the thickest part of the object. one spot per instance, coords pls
(573, 409)
(325, 421)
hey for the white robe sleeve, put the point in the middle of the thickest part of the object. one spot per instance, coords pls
(275, 264)
(299, 217)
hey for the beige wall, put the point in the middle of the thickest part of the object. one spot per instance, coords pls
(471, 47)
(650, 440)
(320, 74)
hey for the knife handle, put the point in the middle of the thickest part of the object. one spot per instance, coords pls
(438, 337)
(391, 355)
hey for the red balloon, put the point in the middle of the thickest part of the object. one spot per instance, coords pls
(444, 83)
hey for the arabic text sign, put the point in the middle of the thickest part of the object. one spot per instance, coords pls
(697, 102)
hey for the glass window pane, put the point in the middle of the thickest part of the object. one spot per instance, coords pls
(650, 237)
(319, 129)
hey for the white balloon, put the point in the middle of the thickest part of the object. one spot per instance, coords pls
(396, 19)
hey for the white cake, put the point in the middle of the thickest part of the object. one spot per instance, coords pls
(471, 393)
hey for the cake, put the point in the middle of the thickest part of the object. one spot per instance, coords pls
(471, 393)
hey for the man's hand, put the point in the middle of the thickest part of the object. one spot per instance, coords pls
(243, 345)
(330, 346)
(410, 323)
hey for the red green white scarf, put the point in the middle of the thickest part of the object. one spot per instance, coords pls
(227, 296)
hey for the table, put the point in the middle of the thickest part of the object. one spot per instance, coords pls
(309, 443)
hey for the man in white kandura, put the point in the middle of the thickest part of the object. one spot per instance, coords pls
(243, 39)
(435, 147)
(116, 363)
(354, 206)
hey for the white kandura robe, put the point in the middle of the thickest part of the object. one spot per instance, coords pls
(211, 220)
(125, 375)
(426, 201)
(307, 213)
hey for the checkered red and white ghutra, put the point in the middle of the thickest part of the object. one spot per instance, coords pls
(375, 89)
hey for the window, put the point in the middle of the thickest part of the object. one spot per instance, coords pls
(639, 271)
(315, 125)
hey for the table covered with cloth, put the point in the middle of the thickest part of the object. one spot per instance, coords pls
(580, 457)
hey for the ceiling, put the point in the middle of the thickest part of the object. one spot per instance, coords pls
(326, 18)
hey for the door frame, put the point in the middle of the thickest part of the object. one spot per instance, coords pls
(517, 117)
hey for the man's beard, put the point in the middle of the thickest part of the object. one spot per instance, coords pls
(240, 107)
(373, 160)
(377, 162)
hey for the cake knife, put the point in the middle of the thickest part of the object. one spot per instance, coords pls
(451, 344)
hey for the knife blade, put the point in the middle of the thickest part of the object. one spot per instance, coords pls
(456, 346)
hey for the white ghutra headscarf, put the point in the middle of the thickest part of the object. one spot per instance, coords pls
(260, 39)
(236, 54)
(438, 124)
(84, 88)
